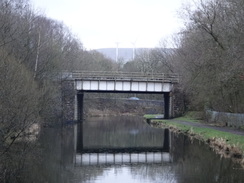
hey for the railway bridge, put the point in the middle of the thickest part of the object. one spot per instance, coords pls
(120, 82)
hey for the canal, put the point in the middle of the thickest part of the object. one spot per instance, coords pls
(126, 149)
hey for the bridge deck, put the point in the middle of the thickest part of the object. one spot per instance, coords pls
(125, 76)
(124, 82)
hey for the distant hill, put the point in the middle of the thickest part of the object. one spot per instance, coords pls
(124, 54)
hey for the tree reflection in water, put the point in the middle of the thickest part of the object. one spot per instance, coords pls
(190, 161)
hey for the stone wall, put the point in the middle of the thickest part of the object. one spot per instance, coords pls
(68, 97)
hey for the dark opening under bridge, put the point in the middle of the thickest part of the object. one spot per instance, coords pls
(120, 82)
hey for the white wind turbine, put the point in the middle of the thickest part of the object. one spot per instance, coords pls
(134, 49)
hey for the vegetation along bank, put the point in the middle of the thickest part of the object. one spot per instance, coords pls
(227, 142)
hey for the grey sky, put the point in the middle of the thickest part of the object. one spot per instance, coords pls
(102, 23)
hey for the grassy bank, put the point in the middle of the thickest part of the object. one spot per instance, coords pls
(224, 143)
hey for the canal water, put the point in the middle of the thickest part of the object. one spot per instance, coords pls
(127, 150)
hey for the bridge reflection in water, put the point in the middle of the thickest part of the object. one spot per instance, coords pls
(110, 142)
(121, 158)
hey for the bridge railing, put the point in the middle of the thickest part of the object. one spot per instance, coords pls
(137, 76)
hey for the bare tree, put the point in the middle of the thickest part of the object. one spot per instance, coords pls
(211, 55)
(19, 110)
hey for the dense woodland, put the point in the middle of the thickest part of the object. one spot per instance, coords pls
(35, 50)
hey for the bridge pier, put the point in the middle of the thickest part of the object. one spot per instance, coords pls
(79, 112)
(79, 107)
(168, 105)
(167, 141)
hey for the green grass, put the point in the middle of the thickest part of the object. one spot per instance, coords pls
(192, 116)
(200, 132)
(151, 116)
(207, 133)
(187, 118)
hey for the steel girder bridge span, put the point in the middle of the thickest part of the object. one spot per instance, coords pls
(119, 82)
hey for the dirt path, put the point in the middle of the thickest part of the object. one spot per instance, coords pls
(203, 125)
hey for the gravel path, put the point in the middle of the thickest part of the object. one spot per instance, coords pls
(202, 125)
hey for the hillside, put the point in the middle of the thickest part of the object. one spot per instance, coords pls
(124, 54)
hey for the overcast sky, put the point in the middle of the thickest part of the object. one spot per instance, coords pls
(104, 23)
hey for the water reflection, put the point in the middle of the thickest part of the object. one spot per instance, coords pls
(133, 173)
(121, 158)
(123, 140)
(187, 161)
(119, 134)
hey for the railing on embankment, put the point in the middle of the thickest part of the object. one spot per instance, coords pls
(224, 118)
(135, 76)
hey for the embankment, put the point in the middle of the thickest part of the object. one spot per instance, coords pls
(226, 143)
